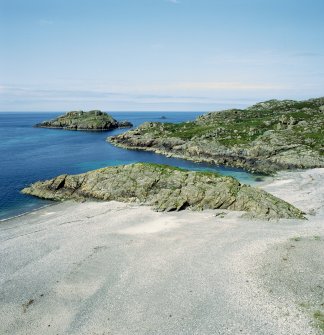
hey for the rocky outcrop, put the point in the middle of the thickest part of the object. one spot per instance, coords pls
(166, 189)
(267, 137)
(124, 124)
(94, 120)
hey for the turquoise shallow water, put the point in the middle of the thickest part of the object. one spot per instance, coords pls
(29, 154)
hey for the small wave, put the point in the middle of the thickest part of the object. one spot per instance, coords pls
(27, 212)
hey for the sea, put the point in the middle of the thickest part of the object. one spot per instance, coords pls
(30, 154)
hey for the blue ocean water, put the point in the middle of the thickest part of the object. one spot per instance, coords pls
(30, 154)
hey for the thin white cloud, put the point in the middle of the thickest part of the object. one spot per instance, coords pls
(208, 87)
(263, 58)
(211, 86)
(169, 88)
(45, 22)
(34, 98)
(174, 90)
(189, 95)
(173, 1)
(308, 54)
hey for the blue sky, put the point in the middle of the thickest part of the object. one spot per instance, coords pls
(59, 55)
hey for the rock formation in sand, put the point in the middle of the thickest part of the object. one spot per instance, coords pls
(166, 189)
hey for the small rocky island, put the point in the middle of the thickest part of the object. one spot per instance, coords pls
(94, 120)
(265, 138)
(166, 189)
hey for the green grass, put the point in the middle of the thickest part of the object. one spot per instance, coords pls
(163, 167)
(168, 168)
(246, 126)
(186, 130)
(241, 127)
(319, 317)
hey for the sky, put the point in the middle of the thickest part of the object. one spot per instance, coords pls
(158, 55)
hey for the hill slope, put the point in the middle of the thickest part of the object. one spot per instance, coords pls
(267, 137)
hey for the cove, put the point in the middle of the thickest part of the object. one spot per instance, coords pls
(30, 154)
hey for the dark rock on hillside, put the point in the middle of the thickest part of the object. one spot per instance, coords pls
(94, 120)
(166, 189)
(124, 124)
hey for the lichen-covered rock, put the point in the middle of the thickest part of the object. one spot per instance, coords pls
(166, 189)
(267, 137)
(94, 120)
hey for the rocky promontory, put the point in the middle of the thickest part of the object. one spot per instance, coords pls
(94, 120)
(166, 189)
(267, 137)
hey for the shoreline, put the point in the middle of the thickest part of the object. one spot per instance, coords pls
(28, 212)
(236, 164)
(254, 182)
(116, 268)
(262, 184)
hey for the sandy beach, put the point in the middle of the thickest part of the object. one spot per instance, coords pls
(112, 268)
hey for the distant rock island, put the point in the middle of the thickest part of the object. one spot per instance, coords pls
(94, 120)
(166, 189)
(267, 137)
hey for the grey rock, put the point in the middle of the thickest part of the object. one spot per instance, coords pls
(124, 124)
(166, 189)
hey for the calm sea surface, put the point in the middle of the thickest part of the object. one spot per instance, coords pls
(30, 154)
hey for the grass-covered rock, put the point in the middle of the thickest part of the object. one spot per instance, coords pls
(94, 120)
(267, 137)
(166, 189)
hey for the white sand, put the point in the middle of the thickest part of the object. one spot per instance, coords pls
(113, 268)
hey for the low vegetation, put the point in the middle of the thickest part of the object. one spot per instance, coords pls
(266, 137)
(319, 317)
(94, 120)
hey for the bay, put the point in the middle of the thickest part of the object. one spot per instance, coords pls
(30, 154)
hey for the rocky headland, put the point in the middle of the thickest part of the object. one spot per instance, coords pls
(94, 120)
(265, 138)
(165, 188)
